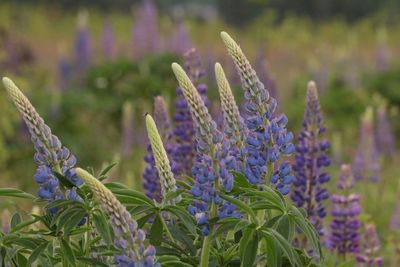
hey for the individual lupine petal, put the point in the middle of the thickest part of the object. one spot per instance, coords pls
(268, 139)
(127, 235)
(162, 164)
(344, 228)
(311, 157)
(370, 247)
(385, 139)
(49, 150)
(234, 127)
(366, 163)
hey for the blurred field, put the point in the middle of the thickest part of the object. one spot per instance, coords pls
(355, 65)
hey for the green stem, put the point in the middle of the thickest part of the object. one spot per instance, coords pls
(166, 228)
(205, 251)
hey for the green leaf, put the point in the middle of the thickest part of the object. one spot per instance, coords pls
(91, 262)
(36, 253)
(108, 168)
(307, 228)
(183, 237)
(272, 251)
(173, 194)
(156, 230)
(103, 227)
(240, 205)
(64, 181)
(67, 253)
(249, 252)
(15, 220)
(241, 181)
(11, 192)
(184, 217)
(128, 196)
(269, 195)
(22, 260)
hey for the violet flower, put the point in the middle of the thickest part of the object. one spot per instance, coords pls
(384, 135)
(311, 158)
(345, 226)
(370, 248)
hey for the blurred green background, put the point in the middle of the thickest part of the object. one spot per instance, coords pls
(94, 97)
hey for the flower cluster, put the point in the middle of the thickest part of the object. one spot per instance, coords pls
(151, 182)
(184, 152)
(234, 127)
(366, 162)
(50, 154)
(83, 46)
(165, 176)
(370, 248)
(212, 162)
(268, 138)
(311, 157)
(345, 226)
(385, 139)
(129, 238)
(145, 31)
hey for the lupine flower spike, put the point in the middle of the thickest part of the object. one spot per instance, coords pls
(385, 139)
(212, 164)
(108, 41)
(366, 163)
(50, 154)
(166, 177)
(83, 46)
(311, 158)
(184, 151)
(234, 126)
(151, 179)
(129, 239)
(345, 226)
(370, 248)
(268, 139)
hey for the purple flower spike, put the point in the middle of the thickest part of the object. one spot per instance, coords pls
(370, 248)
(83, 46)
(180, 42)
(108, 41)
(151, 179)
(345, 226)
(311, 158)
(184, 133)
(366, 163)
(385, 139)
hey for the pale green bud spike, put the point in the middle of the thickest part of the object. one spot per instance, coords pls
(167, 179)
(24, 106)
(196, 104)
(251, 84)
(229, 107)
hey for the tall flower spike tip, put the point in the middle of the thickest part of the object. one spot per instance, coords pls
(50, 154)
(166, 176)
(161, 118)
(129, 238)
(213, 159)
(234, 127)
(309, 191)
(268, 139)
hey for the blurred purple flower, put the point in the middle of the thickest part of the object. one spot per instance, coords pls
(345, 225)
(370, 248)
(311, 158)
(385, 139)
(83, 45)
(366, 163)
(108, 41)
(180, 42)
(145, 30)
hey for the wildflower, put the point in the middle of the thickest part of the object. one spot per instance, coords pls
(164, 174)
(51, 156)
(129, 238)
(180, 42)
(344, 229)
(185, 145)
(212, 162)
(145, 31)
(385, 139)
(108, 41)
(234, 126)
(311, 158)
(366, 162)
(268, 138)
(370, 248)
(83, 44)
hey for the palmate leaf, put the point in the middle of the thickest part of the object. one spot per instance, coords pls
(132, 197)
(184, 216)
(248, 246)
(241, 205)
